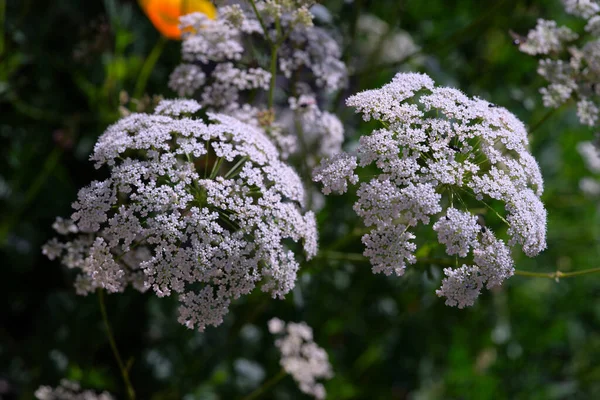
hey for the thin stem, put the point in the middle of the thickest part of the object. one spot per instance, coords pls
(266, 386)
(216, 167)
(148, 66)
(273, 71)
(260, 21)
(237, 167)
(541, 121)
(558, 274)
(487, 205)
(306, 169)
(547, 116)
(113, 346)
(206, 158)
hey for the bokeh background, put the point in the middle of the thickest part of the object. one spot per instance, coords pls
(63, 67)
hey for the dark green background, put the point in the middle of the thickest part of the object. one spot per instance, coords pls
(61, 71)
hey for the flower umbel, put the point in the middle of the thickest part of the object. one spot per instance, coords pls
(198, 208)
(571, 60)
(437, 152)
(69, 390)
(301, 357)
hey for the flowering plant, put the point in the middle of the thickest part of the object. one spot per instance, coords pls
(187, 202)
(215, 208)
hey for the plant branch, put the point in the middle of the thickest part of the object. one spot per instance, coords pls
(557, 274)
(113, 346)
(149, 63)
(266, 386)
(261, 22)
(273, 71)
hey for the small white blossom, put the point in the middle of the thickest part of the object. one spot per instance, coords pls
(276, 326)
(493, 258)
(589, 186)
(335, 173)
(461, 286)
(457, 230)
(593, 25)
(64, 226)
(587, 112)
(69, 390)
(186, 79)
(301, 357)
(389, 249)
(590, 155)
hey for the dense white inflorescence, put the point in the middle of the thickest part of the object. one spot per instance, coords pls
(436, 151)
(570, 61)
(301, 357)
(200, 209)
(69, 390)
(223, 71)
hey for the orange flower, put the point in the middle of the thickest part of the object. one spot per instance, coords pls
(165, 14)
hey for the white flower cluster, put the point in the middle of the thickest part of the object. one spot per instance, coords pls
(222, 69)
(199, 209)
(436, 151)
(301, 357)
(582, 8)
(571, 67)
(69, 390)
(380, 44)
(590, 185)
(547, 38)
(321, 132)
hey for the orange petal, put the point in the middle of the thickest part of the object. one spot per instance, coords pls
(164, 14)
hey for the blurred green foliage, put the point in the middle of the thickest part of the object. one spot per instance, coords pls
(63, 64)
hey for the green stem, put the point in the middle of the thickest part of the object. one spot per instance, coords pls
(113, 346)
(237, 167)
(266, 386)
(140, 85)
(305, 168)
(558, 274)
(274, 50)
(216, 167)
(547, 116)
(260, 21)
